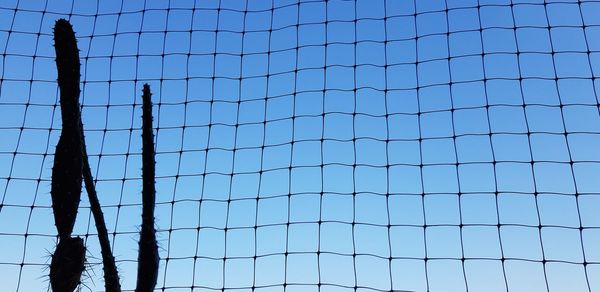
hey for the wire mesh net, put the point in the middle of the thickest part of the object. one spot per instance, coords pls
(316, 145)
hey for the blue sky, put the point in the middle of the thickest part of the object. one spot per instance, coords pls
(359, 145)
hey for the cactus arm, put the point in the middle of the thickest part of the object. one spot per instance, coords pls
(111, 274)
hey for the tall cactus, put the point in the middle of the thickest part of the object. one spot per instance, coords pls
(68, 260)
(148, 257)
(70, 163)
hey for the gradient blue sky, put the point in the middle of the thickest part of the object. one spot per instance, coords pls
(401, 132)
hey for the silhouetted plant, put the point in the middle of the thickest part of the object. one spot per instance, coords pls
(148, 257)
(70, 164)
(68, 260)
(111, 275)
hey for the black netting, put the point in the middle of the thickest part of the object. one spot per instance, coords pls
(316, 145)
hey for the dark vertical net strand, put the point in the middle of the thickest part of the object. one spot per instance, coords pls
(295, 114)
(224, 279)
(420, 140)
(237, 120)
(13, 153)
(577, 194)
(321, 195)
(202, 192)
(133, 95)
(535, 188)
(489, 124)
(195, 258)
(39, 173)
(291, 161)
(262, 153)
(456, 167)
(566, 137)
(387, 142)
(157, 136)
(90, 220)
(355, 162)
(83, 94)
(532, 164)
(26, 233)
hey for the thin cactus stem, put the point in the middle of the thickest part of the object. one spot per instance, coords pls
(68, 261)
(111, 275)
(148, 257)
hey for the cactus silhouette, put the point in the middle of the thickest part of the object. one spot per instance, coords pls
(111, 275)
(71, 168)
(68, 260)
(148, 257)
(70, 164)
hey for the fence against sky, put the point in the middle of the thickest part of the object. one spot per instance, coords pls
(316, 146)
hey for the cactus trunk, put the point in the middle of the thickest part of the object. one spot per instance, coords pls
(148, 257)
(69, 258)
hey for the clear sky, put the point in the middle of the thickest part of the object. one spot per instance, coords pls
(336, 146)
